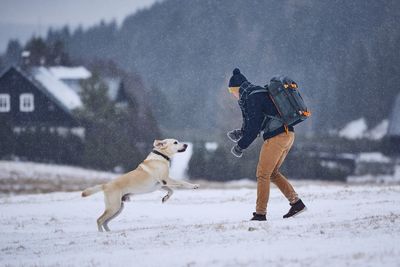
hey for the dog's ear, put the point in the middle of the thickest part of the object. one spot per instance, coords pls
(159, 144)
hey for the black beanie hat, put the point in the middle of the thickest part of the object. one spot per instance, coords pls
(237, 78)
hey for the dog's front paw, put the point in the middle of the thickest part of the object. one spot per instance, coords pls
(195, 186)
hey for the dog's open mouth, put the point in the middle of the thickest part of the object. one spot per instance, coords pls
(183, 149)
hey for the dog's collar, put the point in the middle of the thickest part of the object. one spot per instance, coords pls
(161, 154)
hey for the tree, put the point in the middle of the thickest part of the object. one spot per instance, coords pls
(108, 142)
(160, 104)
(38, 51)
(2, 64)
(50, 52)
(57, 54)
(197, 168)
(219, 166)
(13, 53)
(137, 102)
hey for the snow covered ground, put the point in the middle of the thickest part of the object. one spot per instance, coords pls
(345, 225)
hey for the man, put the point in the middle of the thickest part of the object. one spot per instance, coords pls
(277, 143)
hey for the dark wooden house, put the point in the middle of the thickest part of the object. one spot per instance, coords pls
(34, 97)
(38, 121)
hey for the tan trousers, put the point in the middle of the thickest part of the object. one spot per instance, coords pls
(272, 155)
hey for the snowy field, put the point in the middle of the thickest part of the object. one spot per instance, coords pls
(355, 225)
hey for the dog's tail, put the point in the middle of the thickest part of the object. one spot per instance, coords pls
(92, 190)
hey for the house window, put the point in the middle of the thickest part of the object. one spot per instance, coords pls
(26, 103)
(5, 103)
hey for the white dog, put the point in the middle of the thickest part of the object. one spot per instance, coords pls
(152, 174)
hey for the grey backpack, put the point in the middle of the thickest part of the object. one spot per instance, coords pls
(292, 110)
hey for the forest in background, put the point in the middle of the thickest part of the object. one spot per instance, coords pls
(343, 54)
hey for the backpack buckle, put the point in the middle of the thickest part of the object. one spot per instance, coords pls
(286, 129)
(305, 113)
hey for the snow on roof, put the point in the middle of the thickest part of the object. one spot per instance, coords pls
(358, 129)
(70, 73)
(62, 92)
(379, 131)
(354, 129)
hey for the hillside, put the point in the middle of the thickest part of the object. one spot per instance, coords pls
(343, 54)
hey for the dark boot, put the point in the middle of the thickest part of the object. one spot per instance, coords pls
(296, 208)
(258, 217)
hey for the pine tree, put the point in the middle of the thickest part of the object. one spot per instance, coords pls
(2, 64)
(57, 54)
(108, 141)
(197, 168)
(38, 51)
(13, 53)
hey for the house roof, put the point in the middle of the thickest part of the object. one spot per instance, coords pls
(70, 73)
(61, 91)
(394, 122)
(58, 89)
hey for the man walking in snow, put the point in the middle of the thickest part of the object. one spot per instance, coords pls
(256, 108)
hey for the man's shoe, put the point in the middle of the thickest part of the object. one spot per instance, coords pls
(258, 217)
(296, 208)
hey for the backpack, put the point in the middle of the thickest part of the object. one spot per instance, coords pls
(286, 97)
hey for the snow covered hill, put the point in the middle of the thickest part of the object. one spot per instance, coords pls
(344, 226)
(30, 177)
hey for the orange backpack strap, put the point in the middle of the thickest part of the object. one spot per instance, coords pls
(286, 128)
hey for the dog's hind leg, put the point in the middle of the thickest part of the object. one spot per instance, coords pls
(100, 220)
(113, 206)
(107, 216)
(105, 224)
(168, 195)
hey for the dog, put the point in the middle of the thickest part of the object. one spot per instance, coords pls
(152, 174)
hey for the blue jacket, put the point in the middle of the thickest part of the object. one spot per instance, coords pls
(254, 112)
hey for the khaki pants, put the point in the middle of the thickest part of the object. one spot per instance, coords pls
(272, 155)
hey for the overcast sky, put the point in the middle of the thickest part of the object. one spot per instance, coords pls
(22, 18)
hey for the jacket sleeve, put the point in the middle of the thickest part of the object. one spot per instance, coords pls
(244, 121)
(253, 121)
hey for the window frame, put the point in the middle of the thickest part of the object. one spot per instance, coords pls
(31, 100)
(7, 106)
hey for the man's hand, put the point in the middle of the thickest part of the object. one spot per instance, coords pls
(237, 151)
(235, 135)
